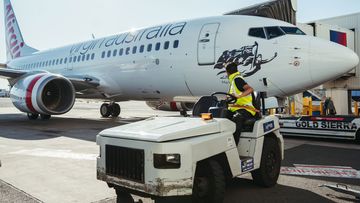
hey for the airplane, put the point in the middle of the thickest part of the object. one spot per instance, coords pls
(173, 62)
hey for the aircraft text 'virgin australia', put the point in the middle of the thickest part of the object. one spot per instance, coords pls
(130, 37)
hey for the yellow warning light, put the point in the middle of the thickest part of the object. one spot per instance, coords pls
(206, 116)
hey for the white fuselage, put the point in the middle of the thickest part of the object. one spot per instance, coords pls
(186, 67)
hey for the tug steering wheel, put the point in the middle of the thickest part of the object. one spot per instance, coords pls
(230, 99)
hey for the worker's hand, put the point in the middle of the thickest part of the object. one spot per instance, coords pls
(237, 96)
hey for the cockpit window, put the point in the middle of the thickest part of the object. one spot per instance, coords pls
(273, 32)
(292, 31)
(257, 32)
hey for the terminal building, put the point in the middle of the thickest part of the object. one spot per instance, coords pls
(344, 30)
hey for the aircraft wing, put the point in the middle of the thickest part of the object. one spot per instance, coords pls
(10, 73)
(80, 82)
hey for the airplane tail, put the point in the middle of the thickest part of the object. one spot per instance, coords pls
(15, 45)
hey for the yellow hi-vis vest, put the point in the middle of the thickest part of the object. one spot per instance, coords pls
(243, 102)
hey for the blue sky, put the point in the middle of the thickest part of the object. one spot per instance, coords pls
(51, 23)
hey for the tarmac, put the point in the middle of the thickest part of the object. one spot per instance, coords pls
(55, 160)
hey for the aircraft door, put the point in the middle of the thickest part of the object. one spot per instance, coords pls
(207, 43)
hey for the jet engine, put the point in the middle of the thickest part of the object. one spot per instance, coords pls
(43, 93)
(170, 106)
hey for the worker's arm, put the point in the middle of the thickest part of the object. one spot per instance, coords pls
(243, 87)
(248, 90)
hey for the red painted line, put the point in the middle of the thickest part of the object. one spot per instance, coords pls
(29, 91)
(321, 166)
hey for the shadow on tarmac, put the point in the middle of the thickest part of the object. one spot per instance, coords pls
(241, 190)
(17, 126)
(322, 155)
(245, 190)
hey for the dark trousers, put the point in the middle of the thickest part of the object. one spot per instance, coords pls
(239, 117)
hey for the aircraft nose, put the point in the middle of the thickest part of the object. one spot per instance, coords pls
(330, 60)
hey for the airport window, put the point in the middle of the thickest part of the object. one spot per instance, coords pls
(65, 60)
(292, 31)
(149, 47)
(115, 52)
(83, 57)
(176, 44)
(166, 45)
(109, 53)
(127, 52)
(142, 47)
(92, 56)
(157, 46)
(257, 32)
(103, 54)
(87, 57)
(273, 32)
(78, 58)
(134, 50)
(61, 60)
(121, 51)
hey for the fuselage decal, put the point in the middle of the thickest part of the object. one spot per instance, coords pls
(246, 56)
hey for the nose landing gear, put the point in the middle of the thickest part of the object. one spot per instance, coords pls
(113, 109)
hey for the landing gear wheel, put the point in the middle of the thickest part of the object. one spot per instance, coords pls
(33, 116)
(45, 117)
(209, 183)
(115, 110)
(105, 110)
(268, 173)
(123, 197)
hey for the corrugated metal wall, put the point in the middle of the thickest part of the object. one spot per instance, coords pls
(350, 22)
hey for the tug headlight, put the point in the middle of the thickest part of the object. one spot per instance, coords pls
(167, 161)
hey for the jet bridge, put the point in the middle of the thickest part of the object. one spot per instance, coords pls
(284, 10)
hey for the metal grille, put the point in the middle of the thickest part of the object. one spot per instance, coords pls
(125, 163)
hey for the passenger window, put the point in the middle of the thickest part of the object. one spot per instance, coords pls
(53, 63)
(292, 31)
(127, 52)
(121, 51)
(115, 52)
(65, 60)
(257, 32)
(87, 57)
(176, 44)
(103, 54)
(92, 56)
(166, 45)
(149, 47)
(157, 46)
(57, 61)
(61, 60)
(83, 57)
(74, 59)
(109, 53)
(70, 59)
(141, 48)
(273, 32)
(79, 58)
(134, 50)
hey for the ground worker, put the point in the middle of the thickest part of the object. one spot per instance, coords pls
(243, 108)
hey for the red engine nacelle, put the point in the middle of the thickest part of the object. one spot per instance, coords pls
(43, 93)
(171, 106)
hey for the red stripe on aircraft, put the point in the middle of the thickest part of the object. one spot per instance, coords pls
(29, 91)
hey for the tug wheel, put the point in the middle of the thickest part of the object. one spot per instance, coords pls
(209, 183)
(123, 197)
(269, 171)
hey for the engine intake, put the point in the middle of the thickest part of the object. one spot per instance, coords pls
(43, 93)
